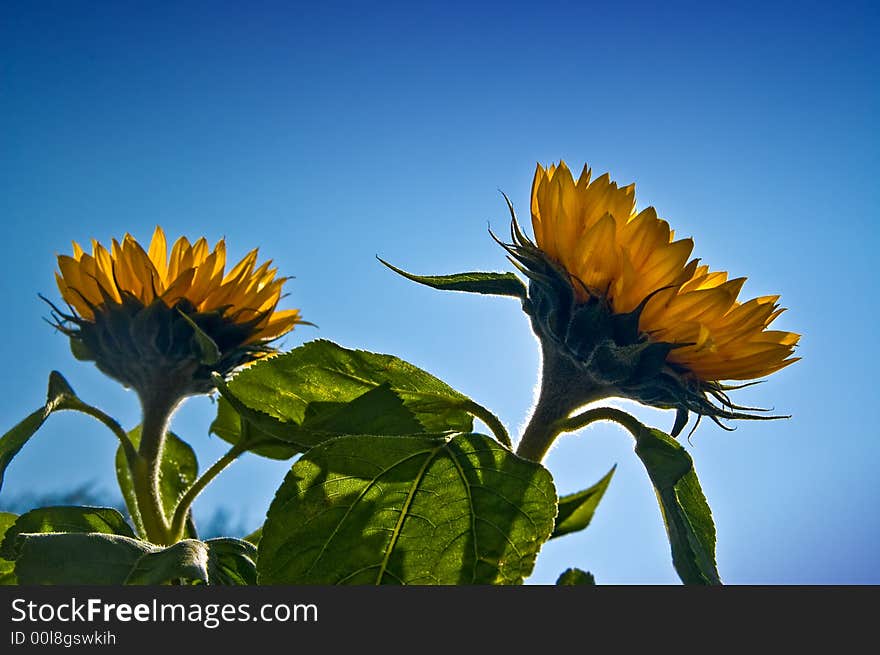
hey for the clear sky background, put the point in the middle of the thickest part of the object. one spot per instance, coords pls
(329, 135)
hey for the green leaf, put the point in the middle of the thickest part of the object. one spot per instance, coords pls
(185, 560)
(229, 424)
(496, 284)
(216, 561)
(378, 411)
(576, 510)
(232, 562)
(63, 518)
(7, 567)
(255, 536)
(407, 510)
(321, 390)
(60, 396)
(685, 511)
(77, 558)
(105, 559)
(575, 577)
(178, 469)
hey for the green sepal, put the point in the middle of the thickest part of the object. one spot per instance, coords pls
(681, 419)
(210, 353)
(574, 576)
(489, 283)
(80, 351)
(576, 510)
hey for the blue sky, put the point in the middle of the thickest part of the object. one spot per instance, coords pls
(329, 135)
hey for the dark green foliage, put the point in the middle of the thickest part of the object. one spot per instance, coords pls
(575, 577)
(407, 510)
(576, 510)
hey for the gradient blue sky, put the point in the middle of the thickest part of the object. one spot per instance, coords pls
(329, 135)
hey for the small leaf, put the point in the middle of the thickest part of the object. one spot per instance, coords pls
(407, 510)
(576, 510)
(178, 469)
(496, 284)
(255, 536)
(7, 567)
(77, 558)
(60, 396)
(575, 577)
(63, 518)
(231, 562)
(321, 390)
(186, 560)
(685, 511)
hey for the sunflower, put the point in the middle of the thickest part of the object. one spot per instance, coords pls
(157, 319)
(619, 303)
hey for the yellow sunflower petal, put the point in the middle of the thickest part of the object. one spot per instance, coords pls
(158, 253)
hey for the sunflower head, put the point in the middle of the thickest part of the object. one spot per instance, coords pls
(152, 319)
(619, 304)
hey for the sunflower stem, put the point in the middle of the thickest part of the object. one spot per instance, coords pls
(158, 407)
(178, 522)
(540, 432)
(563, 390)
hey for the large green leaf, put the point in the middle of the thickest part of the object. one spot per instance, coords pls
(77, 558)
(64, 518)
(496, 284)
(7, 572)
(178, 469)
(59, 396)
(576, 510)
(407, 510)
(685, 510)
(105, 559)
(322, 390)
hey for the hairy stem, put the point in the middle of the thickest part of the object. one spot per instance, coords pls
(491, 421)
(178, 523)
(157, 410)
(563, 390)
(600, 414)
